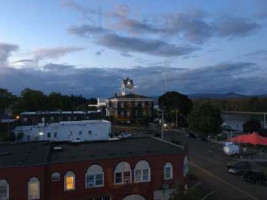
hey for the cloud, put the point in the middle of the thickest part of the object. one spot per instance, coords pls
(242, 77)
(235, 28)
(54, 53)
(5, 51)
(147, 46)
(87, 30)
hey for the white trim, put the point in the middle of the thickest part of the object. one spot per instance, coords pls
(142, 171)
(168, 165)
(94, 170)
(122, 173)
(3, 182)
(57, 174)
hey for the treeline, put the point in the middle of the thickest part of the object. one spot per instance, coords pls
(35, 100)
(252, 104)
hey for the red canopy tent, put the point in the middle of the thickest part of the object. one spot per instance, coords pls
(253, 138)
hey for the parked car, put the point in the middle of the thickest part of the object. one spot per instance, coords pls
(255, 177)
(238, 168)
(125, 135)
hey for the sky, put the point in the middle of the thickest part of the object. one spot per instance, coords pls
(87, 47)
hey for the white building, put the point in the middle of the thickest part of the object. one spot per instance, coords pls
(85, 130)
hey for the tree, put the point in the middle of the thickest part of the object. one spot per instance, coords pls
(6, 99)
(205, 119)
(175, 105)
(181, 191)
(251, 126)
(31, 100)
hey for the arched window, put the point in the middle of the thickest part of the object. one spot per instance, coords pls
(4, 190)
(69, 181)
(55, 176)
(122, 173)
(168, 171)
(142, 172)
(186, 167)
(34, 189)
(94, 176)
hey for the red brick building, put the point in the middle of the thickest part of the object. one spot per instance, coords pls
(128, 169)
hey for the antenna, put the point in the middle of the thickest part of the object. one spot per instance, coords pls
(162, 112)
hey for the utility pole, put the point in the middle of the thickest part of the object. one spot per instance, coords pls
(162, 113)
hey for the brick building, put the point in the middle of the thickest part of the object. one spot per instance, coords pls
(127, 169)
(130, 107)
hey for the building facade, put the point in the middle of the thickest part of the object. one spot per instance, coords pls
(129, 107)
(85, 130)
(128, 169)
(34, 118)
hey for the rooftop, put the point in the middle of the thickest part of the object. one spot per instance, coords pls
(131, 96)
(39, 153)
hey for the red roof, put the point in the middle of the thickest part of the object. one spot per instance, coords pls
(253, 138)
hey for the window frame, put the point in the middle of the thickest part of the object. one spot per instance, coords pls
(55, 174)
(122, 173)
(34, 180)
(4, 183)
(137, 168)
(168, 166)
(94, 175)
(68, 174)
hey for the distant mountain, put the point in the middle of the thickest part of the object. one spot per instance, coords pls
(230, 95)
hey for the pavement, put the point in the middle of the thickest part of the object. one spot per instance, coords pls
(208, 163)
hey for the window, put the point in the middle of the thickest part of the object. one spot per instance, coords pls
(122, 173)
(100, 198)
(34, 189)
(186, 169)
(55, 134)
(69, 182)
(48, 135)
(4, 190)
(80, 132)
(142, 172)
(168, 171)
(55, 177)
(89, 132)
(122, 105)
(94, 176)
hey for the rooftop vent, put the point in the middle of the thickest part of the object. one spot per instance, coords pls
(58, 148)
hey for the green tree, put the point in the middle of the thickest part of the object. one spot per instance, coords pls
(31, 100)
(205, 119)
(175, 104)
(251, 126)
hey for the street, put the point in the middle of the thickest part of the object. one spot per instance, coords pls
(209, 164)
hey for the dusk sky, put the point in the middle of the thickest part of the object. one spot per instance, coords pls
(88, 46)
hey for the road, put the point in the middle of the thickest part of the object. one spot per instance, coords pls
(208, 163)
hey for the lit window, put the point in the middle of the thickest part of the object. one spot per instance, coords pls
(94, 176)
(4, 190)
(122, 173)
(34, 189)
(69, 181)
(142, 172)
(168, 171)
(55, 176)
